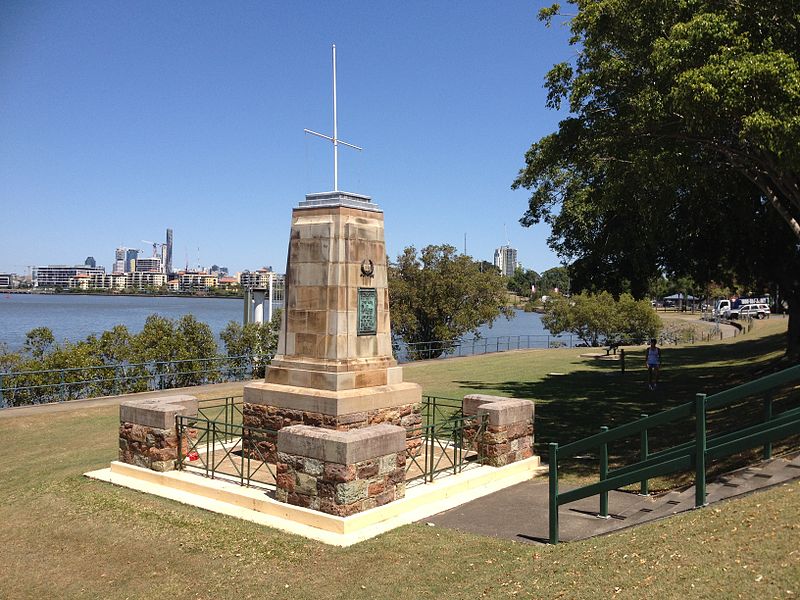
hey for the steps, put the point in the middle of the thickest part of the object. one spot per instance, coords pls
(736, 483)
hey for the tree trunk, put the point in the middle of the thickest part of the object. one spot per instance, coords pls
(793, 334)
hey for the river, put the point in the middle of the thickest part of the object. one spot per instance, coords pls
(74, 317)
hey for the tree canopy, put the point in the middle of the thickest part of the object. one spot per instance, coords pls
(438, 295)
(600, 319)
(681, 151)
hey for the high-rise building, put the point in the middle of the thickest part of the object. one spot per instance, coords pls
(119, 260)
(90, 261)
(131, 256)
(505, 259)
(168, 257)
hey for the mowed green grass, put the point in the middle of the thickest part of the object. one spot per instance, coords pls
(65, 536)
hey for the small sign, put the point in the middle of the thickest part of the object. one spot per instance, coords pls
(367, 311)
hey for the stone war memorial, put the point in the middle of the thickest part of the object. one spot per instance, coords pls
(341, 434)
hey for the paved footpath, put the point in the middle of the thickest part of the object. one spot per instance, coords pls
(520, 512)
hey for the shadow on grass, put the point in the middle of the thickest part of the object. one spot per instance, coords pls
(572, 406)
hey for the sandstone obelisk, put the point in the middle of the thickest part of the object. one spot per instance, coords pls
(334, 367)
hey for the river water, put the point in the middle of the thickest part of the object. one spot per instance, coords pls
(74, 317)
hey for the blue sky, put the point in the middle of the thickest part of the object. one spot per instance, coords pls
(120, 119)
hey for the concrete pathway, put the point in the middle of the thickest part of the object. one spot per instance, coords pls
(521, 512)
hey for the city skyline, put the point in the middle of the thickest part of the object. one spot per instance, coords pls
(113, 114)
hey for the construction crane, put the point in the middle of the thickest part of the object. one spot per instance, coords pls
(155, 247)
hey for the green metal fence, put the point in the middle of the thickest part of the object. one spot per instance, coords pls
(225, 448)
(18, 388)
(443, 446)
(217, 444)
(691, 455)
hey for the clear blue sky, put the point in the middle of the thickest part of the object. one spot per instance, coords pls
(120, 119)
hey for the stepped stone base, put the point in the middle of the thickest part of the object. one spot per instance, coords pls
(273, 407)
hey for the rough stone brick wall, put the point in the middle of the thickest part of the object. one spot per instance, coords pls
(339, 489)
(506, 444)
(149, 447)
(275, 418)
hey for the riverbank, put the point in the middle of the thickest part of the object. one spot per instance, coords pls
(48, 292)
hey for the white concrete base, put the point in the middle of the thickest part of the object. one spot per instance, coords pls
(254, 505)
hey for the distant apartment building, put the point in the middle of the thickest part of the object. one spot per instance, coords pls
(505, 259)
(270, 295)
(256, 279)
(6, 281)
(117, 281)
(151, 264)
(90, 261)
(196, 280)
(58, 276)
(227, 283)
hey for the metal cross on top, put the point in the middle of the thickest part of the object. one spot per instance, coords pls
(335, 139)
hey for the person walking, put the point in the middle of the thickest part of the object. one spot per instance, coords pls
(653, 360)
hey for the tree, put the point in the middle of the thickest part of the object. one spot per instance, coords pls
(522, 282)
(252, 345)
(439, 295)
(682, 149)
(599, 319)
(39, 341)
(556, 278)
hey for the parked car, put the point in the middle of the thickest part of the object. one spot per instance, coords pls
(755, 311)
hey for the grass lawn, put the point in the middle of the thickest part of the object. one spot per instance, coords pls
(575, 395)
(64, 536)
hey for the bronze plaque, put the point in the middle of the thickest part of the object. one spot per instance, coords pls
(367, 311)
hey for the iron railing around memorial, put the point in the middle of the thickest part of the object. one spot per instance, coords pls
(217, 444)
(225, 448)
(18, 388)
(444, 443)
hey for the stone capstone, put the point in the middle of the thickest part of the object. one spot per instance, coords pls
(340, 472)
(508, 433)
(147, 435)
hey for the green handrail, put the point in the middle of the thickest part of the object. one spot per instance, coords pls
(692, 454)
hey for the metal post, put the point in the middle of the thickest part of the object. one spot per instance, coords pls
(241, 467)
(2, 402)
(645, 452)
(553, 493)
(700, 451)
(767, 419)
(63, 386)
(248, 299)
(622, 360)
(179, 431)
(604, 475)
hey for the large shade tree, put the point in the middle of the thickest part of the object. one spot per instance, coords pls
(681, 152)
